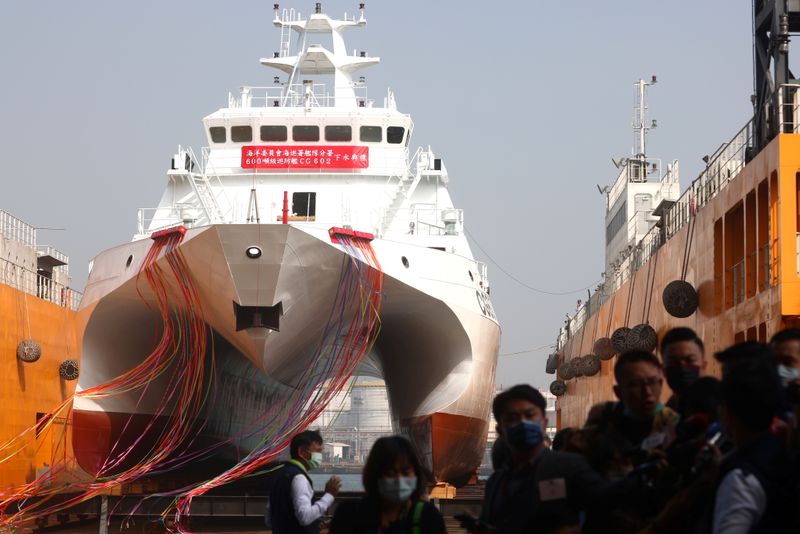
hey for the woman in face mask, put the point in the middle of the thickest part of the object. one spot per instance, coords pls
(394, 484)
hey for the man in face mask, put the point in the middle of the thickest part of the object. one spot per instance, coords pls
(757, 482)
(638, 424)
(538, 489)
(786, 346)
(684, 362)
(292, 508)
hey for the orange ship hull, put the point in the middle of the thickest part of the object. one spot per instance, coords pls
(743, 263)
(31, 390)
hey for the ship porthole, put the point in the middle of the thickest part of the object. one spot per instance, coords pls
(129, 261)
(405, 261)
(253, 252)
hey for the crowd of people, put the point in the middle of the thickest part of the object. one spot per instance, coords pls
(721, 455)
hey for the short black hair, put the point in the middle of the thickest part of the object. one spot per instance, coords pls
(304, 439)
(704, 396)
(634, 356)
(743, 352)
(751, 390)
(382, 456)
(520, 391)
(681, 333)
(787, 334)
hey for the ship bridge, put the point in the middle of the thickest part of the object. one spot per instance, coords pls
(300, 110)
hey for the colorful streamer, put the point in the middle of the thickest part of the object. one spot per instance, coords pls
(180, 354)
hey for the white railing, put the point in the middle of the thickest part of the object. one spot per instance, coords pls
(636, 170)
(723, 166)
(47, 250)
(423, 221)
(17, 229)
(39, 286)
(147, 222)
(294, 95)
(789, 108)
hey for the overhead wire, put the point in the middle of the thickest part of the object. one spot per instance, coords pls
(520, 282)
(526, 351)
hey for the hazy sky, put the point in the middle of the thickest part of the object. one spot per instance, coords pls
(526, 101)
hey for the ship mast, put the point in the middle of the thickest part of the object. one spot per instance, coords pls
(640, 130)
(314, 59)
(637, 198)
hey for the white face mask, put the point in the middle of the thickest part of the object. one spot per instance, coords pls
(315, 461)
(397, 489)
(788, 374)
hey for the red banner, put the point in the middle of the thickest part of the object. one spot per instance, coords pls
(291, 157)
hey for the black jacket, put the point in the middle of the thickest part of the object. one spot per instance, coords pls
(548, 493)
(281, 507)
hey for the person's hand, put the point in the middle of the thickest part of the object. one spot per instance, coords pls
(333, 485)
(659, 458)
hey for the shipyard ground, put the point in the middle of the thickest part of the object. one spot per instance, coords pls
(220, 514)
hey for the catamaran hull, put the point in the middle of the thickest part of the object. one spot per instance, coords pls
(436, 350)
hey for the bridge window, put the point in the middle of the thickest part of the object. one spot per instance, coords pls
(241, 134)
(305, 133)
(217, 134)
(304, 205)
(274, 133)
(394, 134)
(371, 134)
(338, 133)
(617, 222)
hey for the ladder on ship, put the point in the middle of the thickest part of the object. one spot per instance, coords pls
(201, 185)
(406, 185)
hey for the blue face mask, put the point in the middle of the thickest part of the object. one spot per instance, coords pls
(525, 435)
(397, 489)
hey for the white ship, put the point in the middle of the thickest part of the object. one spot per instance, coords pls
(268, 275)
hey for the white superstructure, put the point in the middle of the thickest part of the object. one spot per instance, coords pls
(285, 164)
(390, 192)
(644, 188)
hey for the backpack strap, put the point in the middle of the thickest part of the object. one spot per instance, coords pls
(416, 517)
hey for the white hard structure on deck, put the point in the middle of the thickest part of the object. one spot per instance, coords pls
(640, 194)
(398, 194)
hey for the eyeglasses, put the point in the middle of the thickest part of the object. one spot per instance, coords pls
(645, 383)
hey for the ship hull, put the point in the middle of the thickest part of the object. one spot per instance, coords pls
(436, 350)
(742, 260)
(33, 389)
